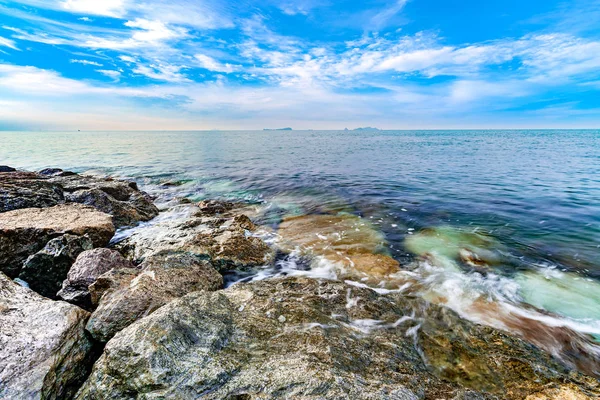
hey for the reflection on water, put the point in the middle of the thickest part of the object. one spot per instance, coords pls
(502, 226)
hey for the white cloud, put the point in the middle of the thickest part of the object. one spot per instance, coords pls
(8, 43)
(109, 8)
(128, 59)
(161, 72)
(211, 64)
(380, 19)
(86, 62)
(113, 74)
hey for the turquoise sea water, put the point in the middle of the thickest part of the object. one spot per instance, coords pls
(527, 202)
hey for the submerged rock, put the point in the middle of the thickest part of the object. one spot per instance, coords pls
(353, 244)
(301, 338)
(45, 271)
(163, 278)
(88, 267)
(44, 350)
(225, 238)
(25, 232)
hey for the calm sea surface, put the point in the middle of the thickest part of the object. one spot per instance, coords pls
(535, 194)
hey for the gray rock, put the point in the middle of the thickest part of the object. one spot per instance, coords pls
(111, 281)
(305, 339)
(44, 350)
(26, 189)
(56, 172)
(88, 267)
(45, 271)
(25, 232)
(121, 199)
(163, 278)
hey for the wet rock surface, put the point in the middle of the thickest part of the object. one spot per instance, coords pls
(163, 277)
(24, 232)
(47, 269)
(44, 350)
(216, 230)
(88, 267)
(302, 338)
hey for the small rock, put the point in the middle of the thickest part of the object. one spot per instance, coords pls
(45, 271)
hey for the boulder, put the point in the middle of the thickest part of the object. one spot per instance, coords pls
(163, 278)
(307, 339)
(26, 190)
(45, 271)
(111, 281)
(88, 267)
(121, 199)
(44, 350)
(226, 239)
(26, 231)
(56, 172)
(6, 168)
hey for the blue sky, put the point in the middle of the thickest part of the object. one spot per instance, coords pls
(321, 64)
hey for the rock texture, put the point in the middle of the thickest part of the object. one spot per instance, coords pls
(47, 269)
(218, 230)
(305, 339)
(123, 200)
(26, 190)
(25, 232)
(163, 278)
(88, 267)
(44, 350)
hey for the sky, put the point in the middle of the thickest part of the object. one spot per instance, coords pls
(306, 64)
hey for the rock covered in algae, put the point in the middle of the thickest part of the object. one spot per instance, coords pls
(446, 243)
(44, 350)
(307, 339)
(162, 278)
(26, 231)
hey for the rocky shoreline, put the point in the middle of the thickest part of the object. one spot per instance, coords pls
(149, 317)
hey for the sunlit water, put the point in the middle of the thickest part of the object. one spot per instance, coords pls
(502, 226)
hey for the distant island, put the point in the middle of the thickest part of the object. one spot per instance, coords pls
(279, 129)
(366, 128)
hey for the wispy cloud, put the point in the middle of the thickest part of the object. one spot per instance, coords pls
(113, 74)
(86, 62)
(8, 43)
(207, 58)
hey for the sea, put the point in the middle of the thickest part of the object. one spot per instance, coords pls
(502, 226)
